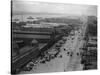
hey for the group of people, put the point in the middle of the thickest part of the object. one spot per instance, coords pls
(70, 53)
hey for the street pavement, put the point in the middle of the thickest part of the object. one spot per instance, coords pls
(68, 59)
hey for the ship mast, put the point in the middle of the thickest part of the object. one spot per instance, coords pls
(22, 16)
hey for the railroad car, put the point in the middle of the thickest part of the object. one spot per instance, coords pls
(21, 56)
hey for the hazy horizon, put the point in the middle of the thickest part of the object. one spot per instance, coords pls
(32, 7)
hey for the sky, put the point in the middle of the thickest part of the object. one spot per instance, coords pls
(43, 7)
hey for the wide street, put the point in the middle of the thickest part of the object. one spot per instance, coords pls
(68, 59)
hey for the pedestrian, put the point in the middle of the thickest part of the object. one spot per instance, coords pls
(77, 54)
(71, 54)
(64, 49)
(67, 52)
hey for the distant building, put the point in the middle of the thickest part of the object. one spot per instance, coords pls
(44, 24)
(16, 20)
(35, 43)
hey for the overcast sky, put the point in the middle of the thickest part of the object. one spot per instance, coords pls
(30, 6)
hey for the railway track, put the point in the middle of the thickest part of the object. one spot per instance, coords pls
(17, 64)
